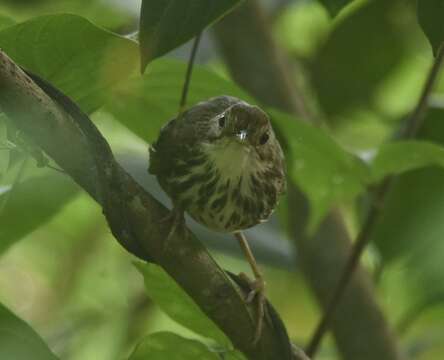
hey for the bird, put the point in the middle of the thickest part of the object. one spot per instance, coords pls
(220, 162)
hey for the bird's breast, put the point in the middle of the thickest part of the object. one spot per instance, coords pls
(224, 187)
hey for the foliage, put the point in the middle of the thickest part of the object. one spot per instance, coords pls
(334, 6)
(430, 18)
(158, 35)
(176, 303)
(19, 341)
(361, 78)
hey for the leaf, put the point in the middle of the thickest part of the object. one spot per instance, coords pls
(81, 59)
(167, 294)
(402, 156)
(5, 21)
(335, 6)
(109, 15)
(19, 341)
(430, 17)
(350, 67)
(4, 151)
(167, 345)
(145, 103)
(4, 189)
(323, 170)
(166, 24)
(411, 224)
(31, 204)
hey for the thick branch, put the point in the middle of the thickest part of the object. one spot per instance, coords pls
(62, 137)
(359, 327)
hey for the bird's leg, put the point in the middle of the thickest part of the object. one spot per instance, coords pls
(176, 220)
(257, 286)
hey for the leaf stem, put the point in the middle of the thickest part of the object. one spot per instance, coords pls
(413, 124)
(186, 85)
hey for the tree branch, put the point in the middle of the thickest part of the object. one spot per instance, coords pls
(132, 213)
(359, 327)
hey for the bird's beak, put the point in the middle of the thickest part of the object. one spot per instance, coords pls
(241, 136)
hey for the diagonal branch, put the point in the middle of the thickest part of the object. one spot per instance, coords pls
(75, 144)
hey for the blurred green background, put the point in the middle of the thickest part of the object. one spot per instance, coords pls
(362, 71)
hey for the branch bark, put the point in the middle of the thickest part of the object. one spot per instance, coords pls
(133, 214)
(358, 326)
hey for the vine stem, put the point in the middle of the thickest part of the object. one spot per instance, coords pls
(413, 124)
(186, 85)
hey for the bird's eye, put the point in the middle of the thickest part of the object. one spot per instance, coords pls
(222, 121)
(264, 138)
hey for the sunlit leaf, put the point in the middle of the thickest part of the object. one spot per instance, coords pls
(109, 14)
(19, 341)
(334, 6)
(81, 59)
(5, 21)
(430, 17)
(167, 294)
(166, 24)
(31, 203)
(402, 156)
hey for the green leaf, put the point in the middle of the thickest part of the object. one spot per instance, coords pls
(5, 21)
(323, 170)
(402, 156)
(19, 341)
(81, 59)
(30, 204)
(145, 103)
(108, 14)
(4, 152)
(166, 345)
(411, 227)
(430, 17)
(166, 24)
(167, 294)
(350, 67)
(334, 6)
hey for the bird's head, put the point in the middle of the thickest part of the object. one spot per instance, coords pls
(246, 124)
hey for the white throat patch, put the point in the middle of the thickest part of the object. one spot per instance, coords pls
(232, 158)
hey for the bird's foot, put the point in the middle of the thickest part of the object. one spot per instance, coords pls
(257, 295)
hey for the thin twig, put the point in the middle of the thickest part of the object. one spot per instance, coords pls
(413, 124)
(416, 119)
(186, 85)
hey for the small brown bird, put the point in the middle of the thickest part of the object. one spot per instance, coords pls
(221, 163)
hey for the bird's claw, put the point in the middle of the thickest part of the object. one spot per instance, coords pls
(257, 294)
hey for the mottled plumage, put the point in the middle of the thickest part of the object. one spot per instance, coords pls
(220, 162)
